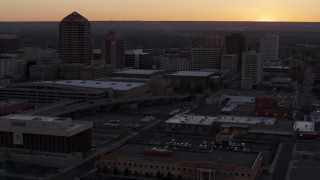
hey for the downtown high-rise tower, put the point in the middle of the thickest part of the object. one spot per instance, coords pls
(113, 50)
(75, 43)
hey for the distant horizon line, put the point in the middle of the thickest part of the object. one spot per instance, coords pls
(172, 21)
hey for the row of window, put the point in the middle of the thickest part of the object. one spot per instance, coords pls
(171, 168)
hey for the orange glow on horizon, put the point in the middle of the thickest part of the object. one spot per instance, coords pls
(266, 19)
(162, 10)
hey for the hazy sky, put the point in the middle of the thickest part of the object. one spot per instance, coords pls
(195, 10)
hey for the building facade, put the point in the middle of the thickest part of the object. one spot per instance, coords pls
(296, 69)
(251, 67)
(75, 42)
(12, 106)
(206, 57)
(9, 65)
(8, 43)
(43, 72)
(149, 161)
(235, 43)
(175, 64)
(42, 133)
(229, 62)
(113, 50)
(269, 48)
(136, 58)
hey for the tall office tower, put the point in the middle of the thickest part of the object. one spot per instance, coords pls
(206, 57)
(8, 43)
(75, 42)
(113, 50)
(235, 43)
(229, 62)
(251, 67)
(136, 58)
(269, 48)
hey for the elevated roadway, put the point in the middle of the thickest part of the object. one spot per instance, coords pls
(69, 106)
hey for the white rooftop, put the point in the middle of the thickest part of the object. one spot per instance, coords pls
(97, 84)
(138, 71)
(44, 125)
(228, 108)
(303, 126)
(239, 99)
(23, 117)
(192, 73)
(205, 120)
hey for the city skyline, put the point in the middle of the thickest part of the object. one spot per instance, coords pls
(165, 10)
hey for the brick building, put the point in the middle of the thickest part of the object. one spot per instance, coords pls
(272, 107)
(151, 162)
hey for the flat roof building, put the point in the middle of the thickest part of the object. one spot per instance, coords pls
(137, 73)
(155, 161)
(51, 91)
(45, 133)
(184, 79)
(192, 124)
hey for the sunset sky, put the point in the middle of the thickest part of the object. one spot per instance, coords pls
(162, 10)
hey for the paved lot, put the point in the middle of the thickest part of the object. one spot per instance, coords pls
(109, 126)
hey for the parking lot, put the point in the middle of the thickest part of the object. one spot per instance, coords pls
(198, 143)
(108, 127)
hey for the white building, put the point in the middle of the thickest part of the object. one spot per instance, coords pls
(252, 67)
(9, 65)
(206, 57)
(269, 48)
(229, 62)
(175, 64)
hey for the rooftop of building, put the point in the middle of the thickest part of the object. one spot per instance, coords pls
(7, 55)
(135, 52)
(239, 159)
(23, 117)
(206, 120)
(97, 84)
(192, 73)
(275, 67)
(74, 17)
(303, 126)
(228, 108)
(138, 71)
(45, 125)
(240, 99)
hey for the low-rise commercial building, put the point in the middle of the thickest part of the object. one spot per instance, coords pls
(272, 107)
(187, 79)
(44, 133)
(191, 124)
(137, 73)
(155, 162)
(12, 106)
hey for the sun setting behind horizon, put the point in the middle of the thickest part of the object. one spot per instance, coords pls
(266, 19)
